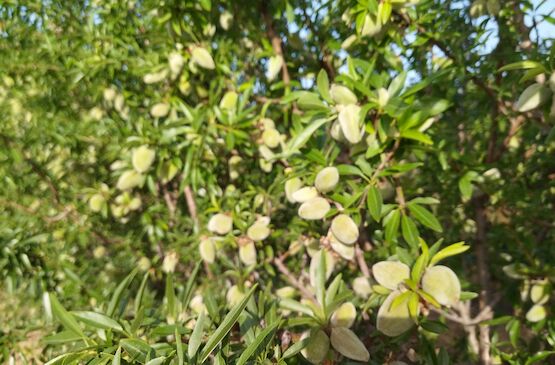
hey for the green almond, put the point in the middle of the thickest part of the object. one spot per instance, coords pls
(142, 158)
(314, 209)
(317, 348)
(362, 287)
(371, 26)
(207, 250)
(327, 179)
(247, 254)
(345, 251)
(275, 64)
(229, 100)
(129, 179)
(152, 78)
(258, 231)
(344, 229)
(394, 321)
(160, 110)
(347, 343)
(344, 316)
(97, 202)
(220, 223)
(390, 274)
(539, 293)
(291, 186)
(443, 284)
(234, 296)
(536, 314)
(342, 95)
(176, 62)
(305, 194)
(532, 97)
(349, 117)
(271, 137)
(202, 57)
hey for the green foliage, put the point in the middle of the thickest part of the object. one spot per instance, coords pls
(255, 182)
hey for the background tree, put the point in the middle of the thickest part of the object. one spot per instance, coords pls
(334, 153)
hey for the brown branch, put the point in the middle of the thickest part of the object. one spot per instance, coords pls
(275, 40)
(293, 280)
(192, 206)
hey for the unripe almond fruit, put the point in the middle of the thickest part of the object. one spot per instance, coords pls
(129, 179)
(394, 321)
(202, 57)
(344, 341)
(97, 202)
(160, 110)
(349, 117)
(390, 274)
(291, 186)
(247, 253)
(305, 194)
(314, 209)
(258, 231)
(229, 100)
(142, 158)
(342, 95)
(207, 250)
(317, 348)
(443, 284)
(536, 314)
(327, 179)
(344, 316)
(345, 251)
(344, 229)
(220, 223)
(271, 137)
(532, 97)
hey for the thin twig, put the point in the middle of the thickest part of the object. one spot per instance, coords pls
(293, 280)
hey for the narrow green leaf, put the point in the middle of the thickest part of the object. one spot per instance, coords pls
(156, 361)
(416, 135)
(117, 357)
(413, 303)
(409, 230)
(541, 355)
(321, 270)
(137, 349)
(468, 295)
(323, 85)
(171, 304)
(67, 320)
(140, 294)
(374, 203)
(259, 342)
(295, 306)
(451, 250)
(178, 346)
(295, 348)
(419, 267)
(188, 292)
(63, 337)
(97, 320)
(225, 326)
(527, 64)
(116, 297)
(332, 289)
(400, 299)
(392, 226)
(196, 336)
(424, 216)
(298, 141)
